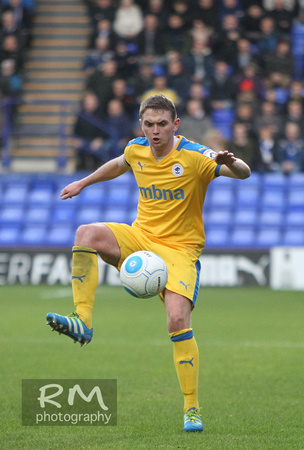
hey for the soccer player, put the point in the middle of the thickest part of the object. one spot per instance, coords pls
(172, 174)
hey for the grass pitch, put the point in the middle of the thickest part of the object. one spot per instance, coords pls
(251, 369)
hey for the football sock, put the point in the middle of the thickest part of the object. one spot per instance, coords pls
(186, 362)
(84, 281)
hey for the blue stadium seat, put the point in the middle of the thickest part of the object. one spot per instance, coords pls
(273, 198)
(294, 218)
(242, 236)
(221, 197)
(296, 198)
(41, 195)
(269, 236)
(34, 235)
(115, 214)
(37, 215)
(217, 237)
(12, 214)
(274, 180)
(59, 235)
(296, 180)
(269, 217)
(93, 195)
(86, 215)
(218, 217)
(245, 216)
(247, 196)
(118, 196)
(9, 235)
(15, 194)
(293, 236)
(63, 213)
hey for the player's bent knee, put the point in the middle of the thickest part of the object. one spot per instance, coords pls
(89, 235)
(177, 321)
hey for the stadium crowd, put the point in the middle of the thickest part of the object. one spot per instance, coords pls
(234, 69)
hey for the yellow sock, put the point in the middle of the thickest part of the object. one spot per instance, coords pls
(84, 282)
(186, 362)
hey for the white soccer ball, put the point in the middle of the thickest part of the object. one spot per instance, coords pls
(144, 274)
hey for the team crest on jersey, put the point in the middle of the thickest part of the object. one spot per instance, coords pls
(177, 170)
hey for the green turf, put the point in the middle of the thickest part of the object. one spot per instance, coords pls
(251, 371)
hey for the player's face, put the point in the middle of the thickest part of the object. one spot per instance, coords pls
(159, 129)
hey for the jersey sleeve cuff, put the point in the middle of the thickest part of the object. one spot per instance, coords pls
(217, 170)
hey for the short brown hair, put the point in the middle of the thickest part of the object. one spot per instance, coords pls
(158, 101)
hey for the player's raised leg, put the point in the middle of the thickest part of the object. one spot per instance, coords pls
(90, 240)
(186, 357)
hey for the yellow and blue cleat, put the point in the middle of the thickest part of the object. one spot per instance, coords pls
(192, 420)
(72, 326)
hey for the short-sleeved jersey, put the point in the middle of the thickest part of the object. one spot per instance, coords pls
(172, 191)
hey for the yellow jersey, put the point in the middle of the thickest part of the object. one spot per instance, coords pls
(172, 191)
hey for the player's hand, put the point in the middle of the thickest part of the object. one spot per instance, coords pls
(71, 190)
(225, 157)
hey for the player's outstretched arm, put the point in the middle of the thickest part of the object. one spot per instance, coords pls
(231, 166)
(108, 171)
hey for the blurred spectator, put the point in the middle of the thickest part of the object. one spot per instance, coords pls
(126, 61)
(92, 142)
(150, 41)
(249, 79)
(222, 88)
(160, 86)
(10, 81)
(202, 33)
(282, 16)
(103, 29)
(208, 12)
(101, 81)
(185, 10)
(243, 146)
(22, 18)
(215, 140)
(268, 117)
(101, 9)
(120, 125)
(199, 63)
(251, 23)
(234, 7)
(295, 114)
(280, 61)
(159, 9)
(226, 46)
(290, 5)
(128, 21)
(245, 115)
(296, 91)
(244, 56)
(195, 121)
(98, 55)
(198, 92)
(122, 92)
(178, 78)
(9, 24)
(142, 80)
(176, 37)
(268, 39)
(291, 149)
(11, 49)
(268, 150)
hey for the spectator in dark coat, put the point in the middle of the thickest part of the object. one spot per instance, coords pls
(92, 142)
(222, 88)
